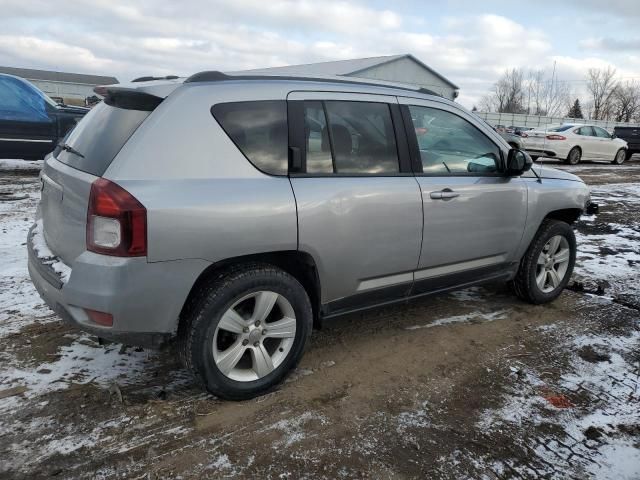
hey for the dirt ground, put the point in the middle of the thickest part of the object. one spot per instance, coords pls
(473, 384)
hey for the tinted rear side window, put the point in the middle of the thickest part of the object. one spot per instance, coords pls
(99, 136)
(259, 130)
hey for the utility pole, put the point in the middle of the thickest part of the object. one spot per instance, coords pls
(553, 76)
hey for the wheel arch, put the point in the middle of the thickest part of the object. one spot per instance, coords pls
(567, 215)
(298, 264)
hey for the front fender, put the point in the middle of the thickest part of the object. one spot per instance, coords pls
(551, 195)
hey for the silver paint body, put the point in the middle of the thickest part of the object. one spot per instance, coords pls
(207, 203)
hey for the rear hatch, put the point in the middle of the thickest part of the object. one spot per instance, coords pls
(82, 157)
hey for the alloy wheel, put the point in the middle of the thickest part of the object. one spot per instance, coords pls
(574, 156)
(553, 263)
(254, 336)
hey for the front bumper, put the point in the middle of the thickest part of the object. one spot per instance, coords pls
(144, 298)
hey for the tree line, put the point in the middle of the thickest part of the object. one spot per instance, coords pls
(533, 92)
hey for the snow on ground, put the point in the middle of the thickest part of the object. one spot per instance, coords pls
(609, 253)
(20, 304)
(466, 318)
(592, 412)
(20, 165)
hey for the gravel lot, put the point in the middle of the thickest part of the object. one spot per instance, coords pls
(473, 384)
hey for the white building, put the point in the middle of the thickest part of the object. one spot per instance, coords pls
(393, 68)
(70, 88)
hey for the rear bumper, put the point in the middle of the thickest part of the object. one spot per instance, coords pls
(144, 298)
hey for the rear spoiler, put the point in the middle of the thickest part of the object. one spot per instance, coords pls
(128, 98)
(142, 95)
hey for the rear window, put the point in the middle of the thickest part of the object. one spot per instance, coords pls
(259, 130)
(98, 137)
(561, 128)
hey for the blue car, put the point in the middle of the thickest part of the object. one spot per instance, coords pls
(31, 124)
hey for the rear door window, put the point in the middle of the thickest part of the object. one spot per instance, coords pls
(259, 130)
(98, 138)
(345, 137)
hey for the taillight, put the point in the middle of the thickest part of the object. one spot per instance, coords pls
(116, 221)
(522, 134)
(556, 137)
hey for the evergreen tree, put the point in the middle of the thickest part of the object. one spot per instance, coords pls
(576, 110)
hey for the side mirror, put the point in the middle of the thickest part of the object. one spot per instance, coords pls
(613, 135)
(518, 162)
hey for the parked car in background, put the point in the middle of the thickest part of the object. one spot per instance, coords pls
(293, 200)
(512, 139)
(31, 124)
(520, 130)
(631, 135)
(574, 142)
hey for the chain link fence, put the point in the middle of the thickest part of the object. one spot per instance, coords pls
(523, 120)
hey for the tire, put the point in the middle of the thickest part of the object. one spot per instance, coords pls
(525, 284)
(239, 291)
(574, 156)
(621, 156)
(629, 155)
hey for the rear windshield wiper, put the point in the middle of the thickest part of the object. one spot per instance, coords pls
(70, 149)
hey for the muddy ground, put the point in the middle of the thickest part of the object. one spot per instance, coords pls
(473, 384)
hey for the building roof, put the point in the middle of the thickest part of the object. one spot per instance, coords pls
(47, 75)
(345, 67)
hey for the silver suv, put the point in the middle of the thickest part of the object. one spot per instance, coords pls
(234, 213)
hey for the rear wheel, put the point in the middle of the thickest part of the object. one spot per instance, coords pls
(575, 154)
(245, 331)
(621, 156)
(546, 267)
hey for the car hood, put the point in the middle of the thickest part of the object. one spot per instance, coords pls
(551, 173)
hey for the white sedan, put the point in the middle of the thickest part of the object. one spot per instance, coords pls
(574, 142)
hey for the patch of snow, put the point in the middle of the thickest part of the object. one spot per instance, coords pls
(11, 164)
(46, 255)
(466, 318)
(293, 428)
(413, 419)
(82, 362)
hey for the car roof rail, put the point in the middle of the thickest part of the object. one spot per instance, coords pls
(149, 78)
(217, 76)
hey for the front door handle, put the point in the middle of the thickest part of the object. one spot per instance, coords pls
(446, 194)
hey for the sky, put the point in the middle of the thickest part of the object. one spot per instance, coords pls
(469, 42)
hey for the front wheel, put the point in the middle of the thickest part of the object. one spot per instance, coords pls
(620, 157)
(546, 267)
(245, 331)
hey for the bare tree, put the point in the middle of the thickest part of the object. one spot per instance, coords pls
(546, 96)
(625, 103)
(601, 85)
(507, 94)
(535, 96)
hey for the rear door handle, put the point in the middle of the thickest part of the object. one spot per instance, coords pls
(445, 194)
